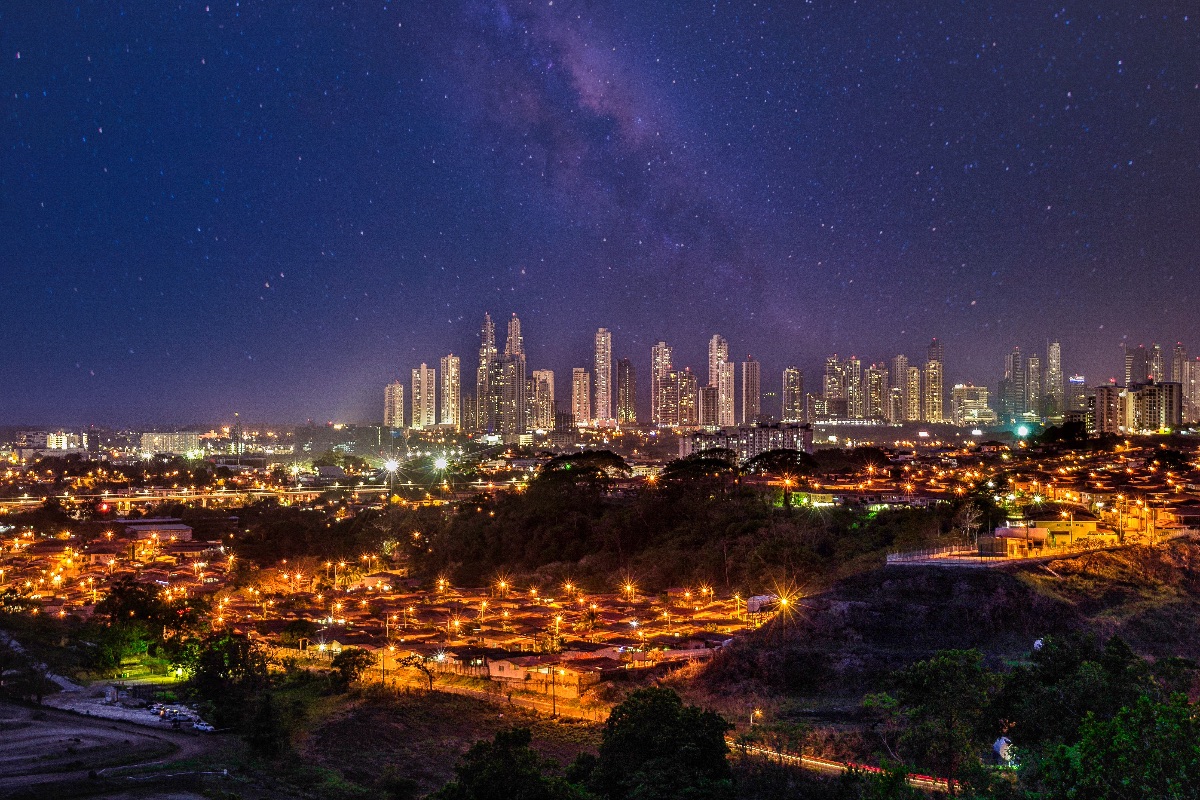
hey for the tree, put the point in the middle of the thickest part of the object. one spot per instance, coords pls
(1149, 750)
(351, 664)
(943, 701)
(416, 662)
(506, 768)
(788, 465)
(265, 732)
(228, 674)
(655, 747)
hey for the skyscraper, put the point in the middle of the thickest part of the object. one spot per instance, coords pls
(875, 392)
(1157, 366)
(935, 365)
(1137, 365)
(543, 399)
(912, 395)
(515, 345)
(751, 391)
(792, 400)
(899, 375)
(1033, 384)
(451, 391)
(660, 365)
(721, 375)
(1012, 391)
(487, 407)
(707, 407)
(689, 400)
(1054, 388)
(393, 405)
(626, 393)
(852, 374)
(603, 408)
(581, 396)
(1179, 362)
(1075, 396)
(513, 420)
(424, 397)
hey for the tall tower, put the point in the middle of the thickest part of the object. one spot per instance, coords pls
(912, 395)
(485, 411)
(603, 408)
(1053, 379)
(581, 396)
(515, 345)
(852, 372)
(751, 391)
(393, 405)
(875, 394)
(689, 398)
(1157, 366)
(1033, 384)
(660, 365)
(792, 405)
(451, 391)
(424, 397)
(935, 365)
(626, 393)
(543, 399)
(721, 376)
(1179, 362)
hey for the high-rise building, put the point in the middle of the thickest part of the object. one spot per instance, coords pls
(875, 391)
(1012, 394)
(1157, 366)
(1033, 384)
(1075, 397)
(969, 405)
(393, 405)
(1191, 391)
(912, 395)
(855, 405)
(1179, 362)
(660, 365)
(424, 397)
(708, 408)
(543, 399)
(626, 393)
(833, 385)
(513, 417)
(581, 396)
(603, 408)
(721, 375)
(515, 345)
(718, 353)
(1137, 365)
(689, 400)
(1054, 378)
(792, 403)
(751, 391)
(935, 365)
(451, 391)
(931, 378)
(486, 399)
(899, 378)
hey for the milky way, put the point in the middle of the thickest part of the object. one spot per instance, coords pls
(229, 206)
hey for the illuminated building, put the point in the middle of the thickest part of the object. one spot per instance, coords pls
(393, 405)
(1076, 394)
(424, 397)
(626, 393)
(1179, 361)
(912, 395)
(751, 391)
(1054, 388)
(688, 398)
(451, 391)
(875, 392)
(792, 401)
(543, 399)
(969, 406)
(933, 377)
(486, 400)
(721, 376)
(852, 371)
(1033, 384)
(708, 407)
(660, 365)
(603, 408)
(179, 443)
(581, 397)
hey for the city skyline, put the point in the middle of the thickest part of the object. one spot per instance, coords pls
(204, 204)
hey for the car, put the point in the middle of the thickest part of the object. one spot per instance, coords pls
(201, 725)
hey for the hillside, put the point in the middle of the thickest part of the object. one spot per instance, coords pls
(844, 641)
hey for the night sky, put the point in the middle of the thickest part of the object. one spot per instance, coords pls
(274, 208)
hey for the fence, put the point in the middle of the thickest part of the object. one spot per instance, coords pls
(931, 552)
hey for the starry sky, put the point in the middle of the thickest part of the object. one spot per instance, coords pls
(275, 208)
